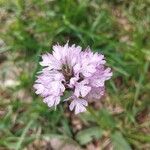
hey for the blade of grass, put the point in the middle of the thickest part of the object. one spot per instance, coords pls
(140, 137)
(141, 79)
(18, 147)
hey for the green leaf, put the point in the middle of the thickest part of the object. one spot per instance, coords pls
(88, 135)
(119, 141)
(106, 120)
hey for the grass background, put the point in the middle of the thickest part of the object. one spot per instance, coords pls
(119, 29)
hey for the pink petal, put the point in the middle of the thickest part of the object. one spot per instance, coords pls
(85, 90)
(52, 100)
(78, 105)
(39, 88)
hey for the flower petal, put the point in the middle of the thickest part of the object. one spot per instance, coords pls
(52, 100)
(81, 89)
(50, 61)
(39, 88)
(78, 105)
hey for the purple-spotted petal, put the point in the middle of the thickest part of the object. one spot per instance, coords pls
(78, 105)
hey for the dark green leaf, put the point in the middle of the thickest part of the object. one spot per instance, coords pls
(119, 141)
(88, 135)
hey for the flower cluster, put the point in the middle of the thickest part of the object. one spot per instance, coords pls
(82, 73)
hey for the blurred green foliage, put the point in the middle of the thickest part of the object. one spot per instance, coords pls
(119, 29)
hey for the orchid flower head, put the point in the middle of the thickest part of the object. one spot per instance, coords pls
(69, 68)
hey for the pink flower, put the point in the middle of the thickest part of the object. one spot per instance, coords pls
(68, 68)
(50, 61)
(82, 88)
(52, 100)
(79, 105)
